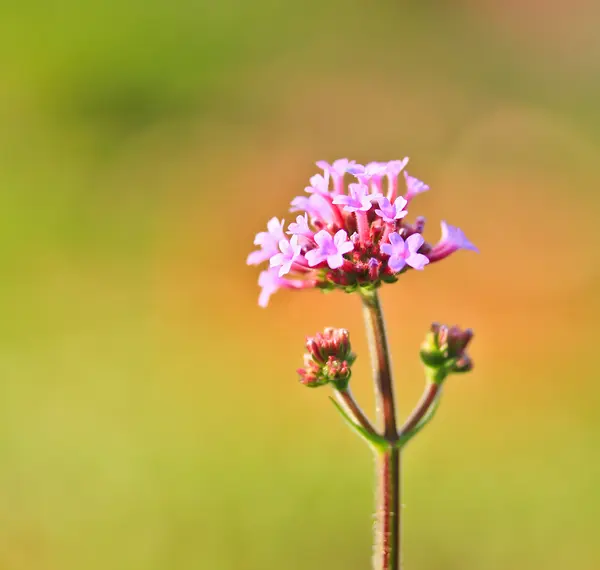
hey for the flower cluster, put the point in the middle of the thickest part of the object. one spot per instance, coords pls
(329, 359)
(350, 236)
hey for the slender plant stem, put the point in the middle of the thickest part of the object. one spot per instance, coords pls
(380, 361)
(432, 391)
(387, 525)
(347, 400)
(387, 552)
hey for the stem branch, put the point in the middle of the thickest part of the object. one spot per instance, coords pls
(428, 398)
(346, 399)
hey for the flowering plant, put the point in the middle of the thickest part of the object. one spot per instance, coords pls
(351, 234)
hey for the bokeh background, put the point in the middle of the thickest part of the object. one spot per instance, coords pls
(150, 416)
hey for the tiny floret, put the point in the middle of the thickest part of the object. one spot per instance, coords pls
(359, 199)
(300, 227)
(452, 239)
(330, 249)
(404, 253)
(268, 241)
(414, 186)
(290, 252)
(270, 282)
(391, 212)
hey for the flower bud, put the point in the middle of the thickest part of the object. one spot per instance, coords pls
(329, 359)
(443, 351)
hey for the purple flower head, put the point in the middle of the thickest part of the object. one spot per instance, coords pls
(290, 252)
(453, 238)
(359, 199)
(270, 283)
(414, 186)
(404, 252)
(330, 249)
(315, 250)
(391, 212)
(268, 241)
(300, 227)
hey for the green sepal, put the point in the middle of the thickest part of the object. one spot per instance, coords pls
(436, 374)
(377, 441)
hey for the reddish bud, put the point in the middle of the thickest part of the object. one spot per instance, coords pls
(443, 351)
(329, 359)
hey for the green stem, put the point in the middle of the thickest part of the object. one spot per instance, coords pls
(431, 393)
(387, 525)
(387, 553)
(380, 360)
(346, 399)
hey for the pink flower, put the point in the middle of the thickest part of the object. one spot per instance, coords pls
(404, 252)
(414, 186)
(336, 171)
(316, 205)
(371, 170)
(300, 227)
(268, 241)
(319, 184)
(391, 212)
(330, 249)
(395, 167)
(452, 239)
(359, 199)
(270, 283)
(338, 168)
(290, 252)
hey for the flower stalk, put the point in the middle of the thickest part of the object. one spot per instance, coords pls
(387, 540)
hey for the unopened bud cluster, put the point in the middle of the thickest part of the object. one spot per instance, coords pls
(328, 360)
(443, 351)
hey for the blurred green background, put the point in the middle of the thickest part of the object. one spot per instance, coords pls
(150, 416)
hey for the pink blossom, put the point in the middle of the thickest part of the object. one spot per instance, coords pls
(336, 171)
(452, 239)
(270, 283)
(391, 212)
(300, 227)
(316, 205)
(371, 174)
(395, 167)
(365, 173)
(414, 186)
(338, 168)
(404, 252)
(330, 249)
(290, 252)
(359, 199)
(268, 241)
(319, 184)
